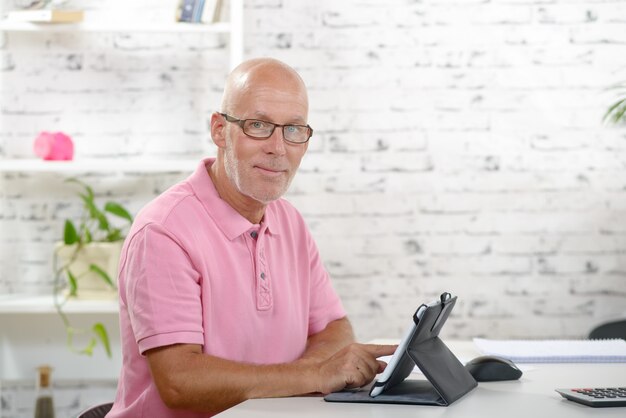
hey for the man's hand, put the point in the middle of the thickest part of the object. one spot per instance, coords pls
(353, 366)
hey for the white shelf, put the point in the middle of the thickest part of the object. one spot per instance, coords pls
(44, 304)
(220, 27)
(99, 165)
(233, 28)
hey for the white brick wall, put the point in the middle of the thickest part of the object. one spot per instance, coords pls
(458, 147)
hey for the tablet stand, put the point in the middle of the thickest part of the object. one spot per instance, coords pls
(447, 380)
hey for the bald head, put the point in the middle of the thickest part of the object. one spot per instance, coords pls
(255, 75)
(251, 170)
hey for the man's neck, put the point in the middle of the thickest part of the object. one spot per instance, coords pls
(251, 209)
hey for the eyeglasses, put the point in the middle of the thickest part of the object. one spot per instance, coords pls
(261, 129)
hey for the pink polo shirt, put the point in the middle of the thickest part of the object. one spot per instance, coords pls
(195, 271)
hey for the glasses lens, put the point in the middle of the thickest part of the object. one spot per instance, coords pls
(296, 133)
(258, 128)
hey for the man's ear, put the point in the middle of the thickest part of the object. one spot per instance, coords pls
(218, 127)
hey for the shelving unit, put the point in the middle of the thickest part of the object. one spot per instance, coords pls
(9, 26)
(44, 304)
(98, 164)
(233, 28)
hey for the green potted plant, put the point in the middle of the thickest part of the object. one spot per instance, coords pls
(617, 111)
(85, 263)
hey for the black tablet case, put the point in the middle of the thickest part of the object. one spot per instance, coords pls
(447, 380)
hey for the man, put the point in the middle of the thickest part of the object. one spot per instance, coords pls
(223, 296)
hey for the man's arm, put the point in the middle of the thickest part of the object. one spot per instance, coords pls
(188, 379)
(324, 344)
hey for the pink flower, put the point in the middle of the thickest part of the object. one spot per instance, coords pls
(54, 146)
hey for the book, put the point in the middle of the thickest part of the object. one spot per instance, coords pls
(210, 10)
(184, 12)
(45, 16)
(555, 351)
(197, 11)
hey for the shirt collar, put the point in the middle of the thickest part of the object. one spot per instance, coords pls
(231, 222)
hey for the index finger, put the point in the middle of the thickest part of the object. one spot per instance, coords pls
(378, 350)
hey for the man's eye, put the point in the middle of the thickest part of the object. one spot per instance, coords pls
(291, 129)
(257, 124)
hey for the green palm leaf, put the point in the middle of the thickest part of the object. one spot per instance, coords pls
(617, 112)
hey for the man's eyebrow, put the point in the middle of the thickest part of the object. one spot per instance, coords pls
(296, 120)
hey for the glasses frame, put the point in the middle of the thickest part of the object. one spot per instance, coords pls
(242, 122)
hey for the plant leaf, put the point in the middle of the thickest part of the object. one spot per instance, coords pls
(102, 274)
(615, 113)
(103, 222)
(118, 210)
(70, 236)
(90, 205)
(619, 115)
(71, 279)
(88, 237)
(100, 330)
(114, 235)
(87, 188)
(89, 348)
(80, 183)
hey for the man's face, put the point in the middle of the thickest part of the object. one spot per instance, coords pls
(262, 169)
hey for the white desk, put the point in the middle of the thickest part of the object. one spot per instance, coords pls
(532, 396)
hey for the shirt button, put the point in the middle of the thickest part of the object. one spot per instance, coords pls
(263, 275)
(254, 234)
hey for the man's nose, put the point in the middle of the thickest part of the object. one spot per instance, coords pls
(276, 142)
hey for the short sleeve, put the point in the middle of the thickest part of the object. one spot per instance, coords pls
(162, 290)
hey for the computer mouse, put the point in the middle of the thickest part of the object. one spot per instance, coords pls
(492, 369)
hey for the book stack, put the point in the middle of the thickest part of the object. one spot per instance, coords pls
(198, 11)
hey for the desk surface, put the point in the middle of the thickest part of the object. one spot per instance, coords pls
(532, 396)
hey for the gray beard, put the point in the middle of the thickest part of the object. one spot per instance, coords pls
(231, 166)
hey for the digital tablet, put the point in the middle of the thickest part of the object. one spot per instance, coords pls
(400, 365)
(447, 380)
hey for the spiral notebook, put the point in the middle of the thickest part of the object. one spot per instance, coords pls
(555, 351)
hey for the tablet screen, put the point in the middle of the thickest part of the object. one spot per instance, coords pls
(400, 365)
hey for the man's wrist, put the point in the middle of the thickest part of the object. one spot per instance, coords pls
(311, 373)
(312, 359)
(289, 379)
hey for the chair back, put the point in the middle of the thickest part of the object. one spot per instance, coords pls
(97, 411)
(612, 329)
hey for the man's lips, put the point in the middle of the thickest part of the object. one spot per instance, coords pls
(270, 171)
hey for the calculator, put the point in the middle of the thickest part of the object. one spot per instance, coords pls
(596, 397)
